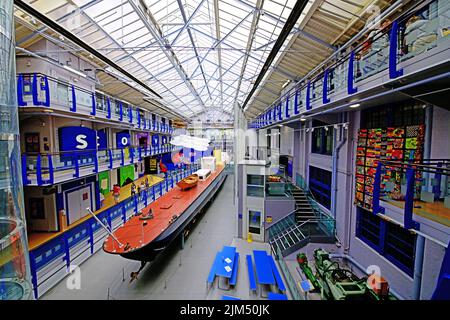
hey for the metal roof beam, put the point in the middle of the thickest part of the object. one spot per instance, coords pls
(59, 20)
(186, 21)
(74, 39)
(287, 28)
(218, 42)
(251, 37)
(152, 26)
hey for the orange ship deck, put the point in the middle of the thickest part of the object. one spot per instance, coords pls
(174, 202)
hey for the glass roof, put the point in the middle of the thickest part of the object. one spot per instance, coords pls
(192, 52)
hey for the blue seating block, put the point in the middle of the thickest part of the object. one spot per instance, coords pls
(229, 298)
(277, 296)
(212, 272)
(251, 273)
(233, 279)
(277, 275)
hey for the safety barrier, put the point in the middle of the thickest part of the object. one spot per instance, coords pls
(407, 182)
(50, 168)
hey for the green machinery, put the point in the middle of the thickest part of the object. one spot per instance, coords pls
(303, 262)
(336, 283)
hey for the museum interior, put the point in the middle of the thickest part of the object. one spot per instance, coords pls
(225, 150)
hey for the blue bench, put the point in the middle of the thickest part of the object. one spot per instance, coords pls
(277, 296)
(212, 272)
(229, 298)
(251, 273)
(277, 275)
(233, 279)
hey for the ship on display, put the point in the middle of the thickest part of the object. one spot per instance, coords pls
(154, 227)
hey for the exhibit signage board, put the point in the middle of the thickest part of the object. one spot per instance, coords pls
(122, 139)
(77, 138)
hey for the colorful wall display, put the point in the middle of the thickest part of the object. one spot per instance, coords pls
(394, 144)
(103, 182)
(153, 165)
(126, 173)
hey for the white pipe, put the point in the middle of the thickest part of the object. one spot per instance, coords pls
(104, 227)
(359, 266)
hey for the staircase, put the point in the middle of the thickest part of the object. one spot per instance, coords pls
(289, 240)
(303, 208)
(307, 223)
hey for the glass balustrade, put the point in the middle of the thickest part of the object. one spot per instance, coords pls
(420, 188)
(424, 30)
(372, 57)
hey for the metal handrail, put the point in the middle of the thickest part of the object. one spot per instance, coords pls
(87, 150)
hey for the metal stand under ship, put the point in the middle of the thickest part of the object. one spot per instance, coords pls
(150, 231)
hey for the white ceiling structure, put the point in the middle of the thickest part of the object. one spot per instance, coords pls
(203, 56)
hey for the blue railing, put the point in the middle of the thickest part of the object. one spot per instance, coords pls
(79, 242)
(49, 168)
(37, 89)
(416, 187)
(407, 37)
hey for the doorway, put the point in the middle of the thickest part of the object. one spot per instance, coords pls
(76, 203)
(255, 224)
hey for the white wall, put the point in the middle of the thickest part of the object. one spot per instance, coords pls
(287, 141)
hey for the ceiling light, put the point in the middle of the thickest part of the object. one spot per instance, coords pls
(81, 74)
(285, 84)
(326, 128)
(302, 119)
(356, 105)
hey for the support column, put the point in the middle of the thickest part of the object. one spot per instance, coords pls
(418, 266)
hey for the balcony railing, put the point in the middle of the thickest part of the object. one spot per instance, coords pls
(408, 37)
(39, 90)
(420, 188)
(50, 168)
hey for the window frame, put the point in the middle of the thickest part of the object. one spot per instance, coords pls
(384, 247)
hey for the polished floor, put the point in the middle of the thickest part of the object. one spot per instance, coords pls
(176, 274)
